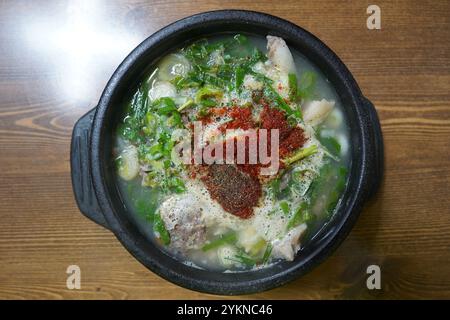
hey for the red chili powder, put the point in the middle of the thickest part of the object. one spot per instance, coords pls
(236, 191)
(237, 188)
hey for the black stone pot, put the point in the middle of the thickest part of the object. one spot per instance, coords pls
(93, 175)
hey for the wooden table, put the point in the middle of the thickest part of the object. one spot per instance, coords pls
(56, 57)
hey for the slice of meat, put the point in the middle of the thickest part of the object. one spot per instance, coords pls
(183, 219)
(236, 191)
(316, 111)
(278, 52)
(287, 247)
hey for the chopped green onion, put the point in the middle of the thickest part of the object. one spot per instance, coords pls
(299, 155)
(267, 253)
(279, 102)
(293, 88)
(239, 78)
(246, 260)
(185, 105)
(302, 215)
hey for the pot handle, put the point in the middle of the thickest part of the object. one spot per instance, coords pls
(375, 160)
(81, 170)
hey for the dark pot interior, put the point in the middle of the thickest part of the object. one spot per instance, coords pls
(93, 175)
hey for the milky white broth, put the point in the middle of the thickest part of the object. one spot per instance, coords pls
(249, 240)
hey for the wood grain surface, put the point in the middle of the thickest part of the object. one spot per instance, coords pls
(55, 59)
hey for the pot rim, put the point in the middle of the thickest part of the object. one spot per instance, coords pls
(354, 201)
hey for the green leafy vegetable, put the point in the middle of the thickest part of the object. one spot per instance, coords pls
(160, 229)
(131, 128)
(229, 238)
(329, 175)
(150, 126)
(207, 93)
(302, 215)
(208, 103)
(222, 64)
(274, 187)
(307, 87)
(239, 78)
(177, 185)
(284, 207)
(144, 201)
(164, 106)
(331, 144)
(277, 100)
